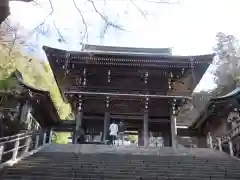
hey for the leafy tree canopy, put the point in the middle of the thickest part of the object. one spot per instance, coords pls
(227, 75)
(35, 73)
(61, 137)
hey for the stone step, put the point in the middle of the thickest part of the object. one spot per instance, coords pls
(137, 158)
(111, 178)
(142, 160)
(91, 148)
(123, 177)
(115, 166)
(145, 163)
(122, 171)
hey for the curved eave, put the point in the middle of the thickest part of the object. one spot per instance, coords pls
(58, 85)
(232, 94)
(99, 48)
(221, 99)
(207, 58)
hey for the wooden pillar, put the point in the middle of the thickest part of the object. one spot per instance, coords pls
(139, 137)
(219, 144)
(16, 147)
(230, 147)
(27, 144)
(174, 131)
(79, 117)
(106, 124)
(50, 136)
(44, 138)
(1, 152)
(145, 129)
(37, 141)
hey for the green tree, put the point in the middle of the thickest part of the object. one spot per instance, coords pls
(227, 75)
(61, 137)
(35, 73)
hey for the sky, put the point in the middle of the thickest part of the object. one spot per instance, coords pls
(188, 26)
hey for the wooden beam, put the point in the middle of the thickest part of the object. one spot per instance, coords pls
(131, 95)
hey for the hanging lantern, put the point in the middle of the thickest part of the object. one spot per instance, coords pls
(109, 76)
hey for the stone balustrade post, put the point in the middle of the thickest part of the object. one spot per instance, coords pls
(27, 144)
(1, 152)
(37, 142)
(44, 138)
(230, 147)
(219, 144)
(15, 151)
(50, 137)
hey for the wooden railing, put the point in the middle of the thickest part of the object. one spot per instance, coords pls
(14, 148)
(34, 124)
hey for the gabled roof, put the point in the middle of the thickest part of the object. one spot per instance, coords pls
(136, 57)
(46, 104)
(229, 95)
(130, 50)
(47, 101)
(220, 99)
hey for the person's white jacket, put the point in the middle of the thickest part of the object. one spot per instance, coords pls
(113, 128)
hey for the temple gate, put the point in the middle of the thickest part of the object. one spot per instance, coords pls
(144, 87)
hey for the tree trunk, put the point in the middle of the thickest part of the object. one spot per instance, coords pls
(5, 10)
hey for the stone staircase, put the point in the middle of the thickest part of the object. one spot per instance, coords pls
(98, 162)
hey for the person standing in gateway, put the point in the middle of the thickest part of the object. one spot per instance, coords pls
(113, 128)
(121, 132)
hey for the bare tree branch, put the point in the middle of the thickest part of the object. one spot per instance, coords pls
(161, 1)
(139, 9)
(44, 20)
(105, 18)
(13, 32)
(85, 35)
(61, 38)
(103, 32)
(36, 3)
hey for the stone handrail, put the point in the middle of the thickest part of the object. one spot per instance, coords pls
(231, 134)
(14, 148)
(13, 136)
(34, 123)
(217, 142)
